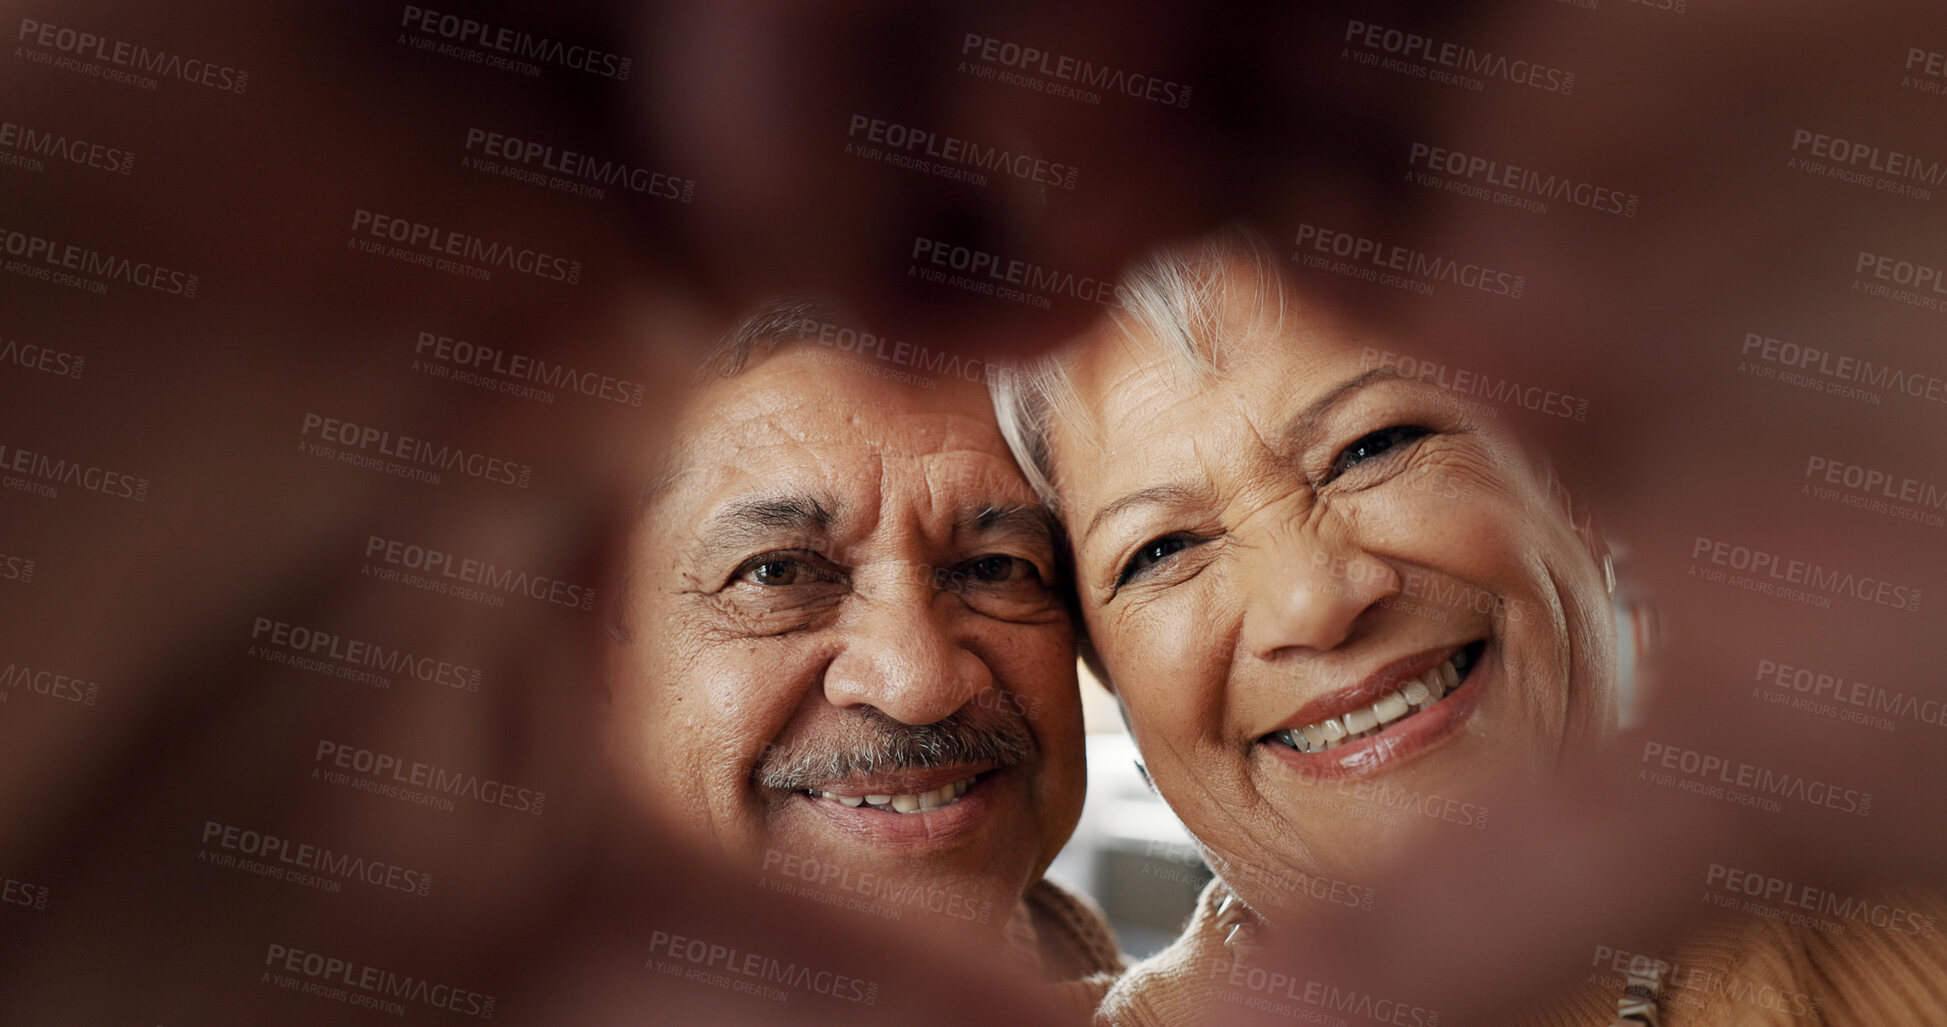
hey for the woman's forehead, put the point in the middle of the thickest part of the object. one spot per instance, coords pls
(1130, 383)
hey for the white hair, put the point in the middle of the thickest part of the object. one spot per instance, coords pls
(1175, 298)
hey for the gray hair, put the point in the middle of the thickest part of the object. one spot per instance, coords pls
(1175, 299)
(769, 325)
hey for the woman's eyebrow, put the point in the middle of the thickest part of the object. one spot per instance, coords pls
(1169, 493)
(1305, 423)
(1302, 425)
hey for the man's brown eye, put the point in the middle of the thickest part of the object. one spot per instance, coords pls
(775, 571)
(999, 569)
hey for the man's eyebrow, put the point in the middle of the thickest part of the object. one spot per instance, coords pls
(1026, 520)
(762, 519)
(1303, 424)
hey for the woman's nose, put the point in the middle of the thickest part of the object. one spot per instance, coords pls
(901, 657)
(1308, 590)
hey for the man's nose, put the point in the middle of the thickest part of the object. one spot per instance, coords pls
(1307, 586)
(901, 657)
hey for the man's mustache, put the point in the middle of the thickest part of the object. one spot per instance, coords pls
(873, 743)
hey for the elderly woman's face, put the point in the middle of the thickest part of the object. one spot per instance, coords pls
(1335, 602)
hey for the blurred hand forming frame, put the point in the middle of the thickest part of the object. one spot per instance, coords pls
(1706, 320)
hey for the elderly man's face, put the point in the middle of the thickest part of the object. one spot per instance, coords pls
(844, 643)
(1336, 602)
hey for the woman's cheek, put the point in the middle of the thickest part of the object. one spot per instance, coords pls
(1128, 653)
(1140, 636)
(1475, 538)
(1175, 650)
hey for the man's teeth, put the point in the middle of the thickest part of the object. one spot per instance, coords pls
(1412, 697)
(945, 795)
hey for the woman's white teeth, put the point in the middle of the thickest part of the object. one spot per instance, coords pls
(1391, 708)
(945, 795)
(1412, 697)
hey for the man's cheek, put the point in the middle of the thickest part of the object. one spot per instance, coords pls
(682, 707)
(741, 699)
(1033, 670)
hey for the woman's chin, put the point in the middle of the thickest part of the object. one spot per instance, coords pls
(1363, 809)
(1349, 854)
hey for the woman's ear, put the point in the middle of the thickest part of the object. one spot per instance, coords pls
(1587, 529)
(1598, 544)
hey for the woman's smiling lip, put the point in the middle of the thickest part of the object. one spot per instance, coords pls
(1396, 742)
(1386, 679)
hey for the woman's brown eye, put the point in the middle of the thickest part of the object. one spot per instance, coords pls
(1151, 553)
(1373, 445)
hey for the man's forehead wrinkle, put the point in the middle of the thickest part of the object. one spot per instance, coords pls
(917, 508)
(892, 464)
(896, 433)
(984, 470)
(791, 396)
(922, 434)
(941, 494)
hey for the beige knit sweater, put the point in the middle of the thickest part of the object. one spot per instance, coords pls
(1064, 939)
(1736, 970)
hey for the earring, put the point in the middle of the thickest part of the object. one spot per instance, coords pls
(1609, 573)
(1237, 922)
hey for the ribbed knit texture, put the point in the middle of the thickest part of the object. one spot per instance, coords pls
(1735, 970)
(1064, 938)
